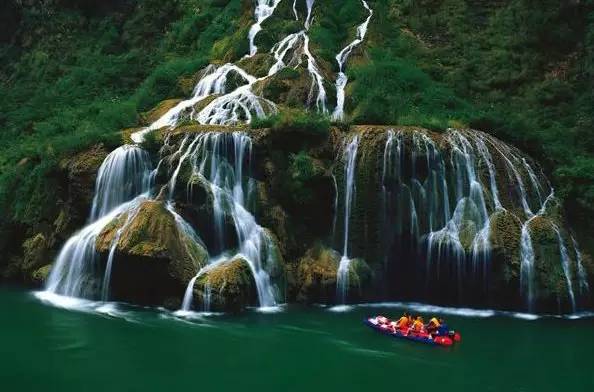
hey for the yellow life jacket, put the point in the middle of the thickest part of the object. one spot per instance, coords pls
(435, 322)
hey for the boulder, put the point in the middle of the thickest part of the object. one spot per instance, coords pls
(155, 256)
(316, 276)
(227, 286)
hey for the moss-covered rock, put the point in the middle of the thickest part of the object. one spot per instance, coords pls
(35, 252)
(550, 279)
(504, 237)
(257, 65)
(227, 286)
(81, 171)
(155, 258)
(158, 111)
(316, 275)
(39, 276)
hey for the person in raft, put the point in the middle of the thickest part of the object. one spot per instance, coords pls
(433, 325)
(404, 322)
(418, 326)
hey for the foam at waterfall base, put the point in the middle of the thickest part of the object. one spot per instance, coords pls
(192, 315)
(341, 308)
(461, 312)
(110, 309)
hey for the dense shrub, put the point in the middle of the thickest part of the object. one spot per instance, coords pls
(295, 121)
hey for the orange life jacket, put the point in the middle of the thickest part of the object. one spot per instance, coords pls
(402, 321)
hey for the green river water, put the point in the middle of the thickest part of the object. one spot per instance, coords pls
(118, 348)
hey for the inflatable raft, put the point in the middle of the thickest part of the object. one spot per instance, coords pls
(442, 337)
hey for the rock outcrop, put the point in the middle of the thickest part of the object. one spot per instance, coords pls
(226, 286)
(155, 258)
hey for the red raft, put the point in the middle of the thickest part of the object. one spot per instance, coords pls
(442, 337)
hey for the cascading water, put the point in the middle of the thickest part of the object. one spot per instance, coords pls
(527, 257)
(297, 45)
(240, 105)
(350, 157)
(124, 178)
(341, 58)
(219, 159)
(295, 10)
(233, 107)
(582, 274)
(440, 207)
(565, 264)
(264, 10)
(124, 174)
(309, 16)
(527, 265)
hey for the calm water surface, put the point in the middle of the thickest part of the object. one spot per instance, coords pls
(119, 348)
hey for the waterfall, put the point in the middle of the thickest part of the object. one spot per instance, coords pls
(264, 10)
(527, 254)
(189, 295)
(123, 182)
(112, 251)
(220, 159)
(297, 44)
(341, 58)
(228, 108)
(207, 297)
(342, 279)
(582, 274)
(76, 264)
(295, 10)
(438, 197)
(124, 174)
(232, 106)
(527, 265)
(565, 264)
(308, 19)
(488, 159)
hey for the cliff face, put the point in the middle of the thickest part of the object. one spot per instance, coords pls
(439, 217)
(28, 250)
(457, 218)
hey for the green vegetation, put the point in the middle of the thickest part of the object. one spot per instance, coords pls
(73, 75)
(295, 121)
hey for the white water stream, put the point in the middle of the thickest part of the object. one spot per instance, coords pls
(341, 58)
(350, 157)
